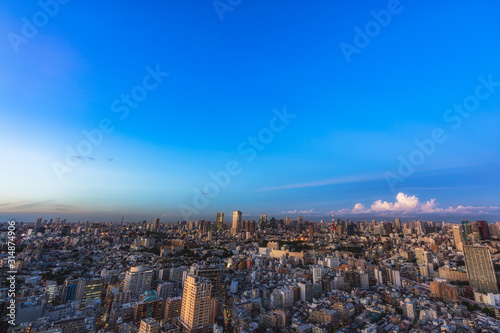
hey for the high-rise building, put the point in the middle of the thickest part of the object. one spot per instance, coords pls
(300, 219)
(165, 290)
(69, 292)
(397, 224)
(156, 224)
(458, 237)
(237, 220)
(263, 222)
(480, 269)
(138, 280)
(149, 325)
(483, 229)
(220, 221)
(195, 309)
(149, 306)
(306, 292)
(317, 275)
(212, 272)
(89, 289)
(410, 309)
(311, 232)
(172, 308)
(288, 298)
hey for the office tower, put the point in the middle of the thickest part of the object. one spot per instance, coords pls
(300, 219)
(69, 292)
(253, 227)
(482, 227)
(397, 224)
(237, 218)
(317, 274)
(263, 222)
(149, 306)
(89, 289)
(466, 228)
(172, 308)
(165, 290)
(480, 269)
(138, 280)
(288, 222)
(156, 224)
(38, 222)
(220, 221)
(311, 232)
(213, 273)
(149, 325)
(458, 237)
(306, 292)
(195, 309)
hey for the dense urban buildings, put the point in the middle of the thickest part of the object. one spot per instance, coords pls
(250, 276)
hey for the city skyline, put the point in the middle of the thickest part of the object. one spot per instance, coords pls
(143, 114)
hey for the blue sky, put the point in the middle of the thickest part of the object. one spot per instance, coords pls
(353, 120)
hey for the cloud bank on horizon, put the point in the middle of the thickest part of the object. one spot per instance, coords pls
(406, 204)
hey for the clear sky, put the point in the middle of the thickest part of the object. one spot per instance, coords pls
(354, 104)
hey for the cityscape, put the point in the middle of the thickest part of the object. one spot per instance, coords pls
(276, 275)
(230, 166)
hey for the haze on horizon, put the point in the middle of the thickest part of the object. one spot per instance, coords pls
(164, 109)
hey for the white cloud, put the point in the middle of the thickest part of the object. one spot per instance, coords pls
(296, 211)
(406, 204)
(289, 211)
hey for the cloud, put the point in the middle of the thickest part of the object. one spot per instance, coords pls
(323, 182)
(296, 211)
(406, 204)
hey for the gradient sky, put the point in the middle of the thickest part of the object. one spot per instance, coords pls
(353, 119)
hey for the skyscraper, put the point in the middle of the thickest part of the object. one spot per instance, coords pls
(263, 222)
(138, 280)
(237, 218)
(214, 273)
(220, 221)
(156, 224)
(483, 229)
(195, 309)
(480, 269)
(458, 237)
